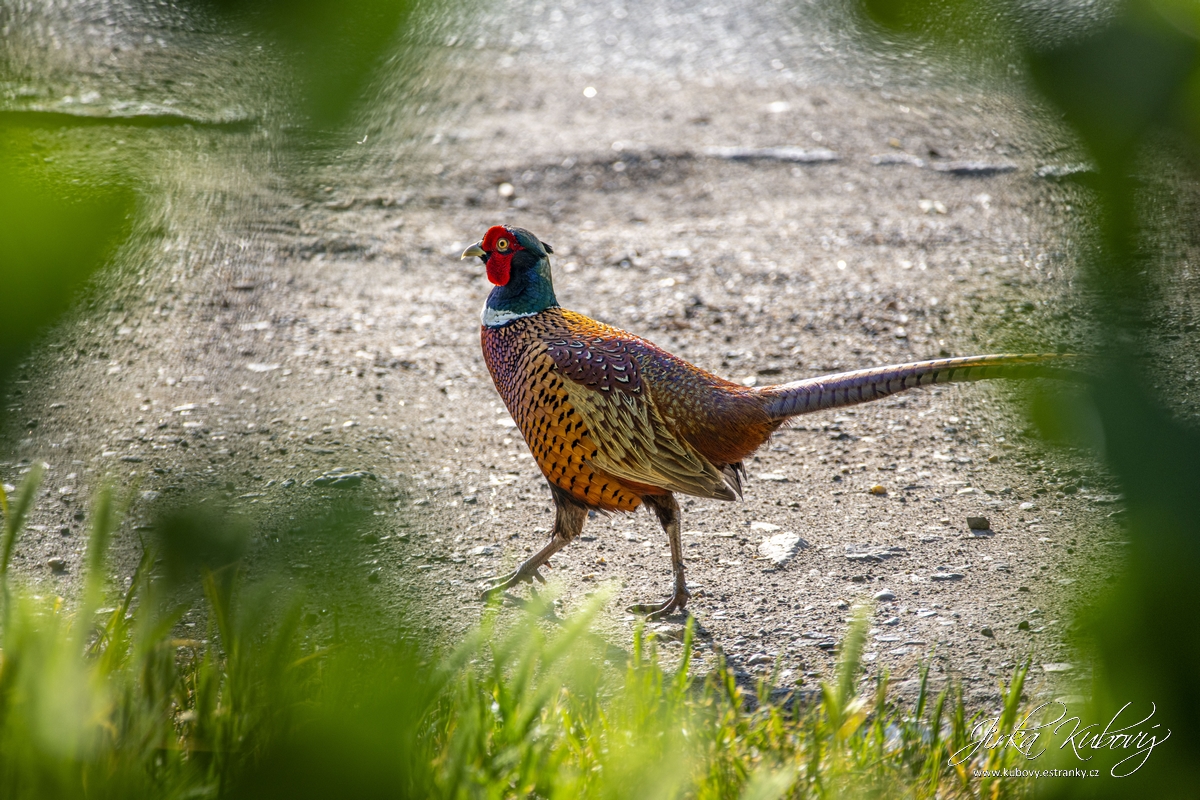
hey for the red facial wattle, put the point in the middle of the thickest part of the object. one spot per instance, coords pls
(499, 268)
(500, 245)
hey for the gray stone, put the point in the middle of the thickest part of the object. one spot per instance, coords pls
(872, 553)
(946, 576)
(885, 596)
(781, 548)
(342, 478)
(794, 154)
(1058, 171)
(979, 523)
(891, 159)
(759, 658)
(972, 168)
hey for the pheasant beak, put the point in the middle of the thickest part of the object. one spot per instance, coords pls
(473, 250)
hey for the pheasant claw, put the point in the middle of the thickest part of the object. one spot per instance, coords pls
(656, 611)
(520, 576)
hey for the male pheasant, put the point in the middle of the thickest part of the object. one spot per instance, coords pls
(614, 421)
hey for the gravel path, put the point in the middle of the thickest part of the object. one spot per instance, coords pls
(260, 333)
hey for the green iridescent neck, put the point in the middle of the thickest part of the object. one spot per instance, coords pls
(529, 291)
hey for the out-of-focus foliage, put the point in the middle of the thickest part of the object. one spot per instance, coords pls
(1130, 90)
(332, 48)
(64, 210)
(111, 701)
(54, 233)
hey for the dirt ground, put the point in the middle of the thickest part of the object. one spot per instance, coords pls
(260, 333)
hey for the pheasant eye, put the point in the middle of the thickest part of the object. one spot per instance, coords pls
(502, 244)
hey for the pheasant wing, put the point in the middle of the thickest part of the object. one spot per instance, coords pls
(633, 442)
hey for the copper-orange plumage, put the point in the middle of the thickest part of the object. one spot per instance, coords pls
(614, 422)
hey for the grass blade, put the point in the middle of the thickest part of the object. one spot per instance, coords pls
(14, 517)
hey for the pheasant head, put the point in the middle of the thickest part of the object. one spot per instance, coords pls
(518, 263)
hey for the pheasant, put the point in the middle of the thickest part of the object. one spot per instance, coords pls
(615, 422)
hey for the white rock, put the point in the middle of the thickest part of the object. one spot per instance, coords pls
(781, 547)
(1058, 667)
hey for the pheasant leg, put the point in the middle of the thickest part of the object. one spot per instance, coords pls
(667, 511)
(568, 522)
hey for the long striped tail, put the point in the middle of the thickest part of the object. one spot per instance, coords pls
(861, 386)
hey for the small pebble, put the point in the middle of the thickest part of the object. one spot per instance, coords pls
(892, 621)
(885, 596)
(988, 633)
(1023, 625)
(759, 658)
(373, 576)
(57, 564)
(878, 490)
(946, 576)
(979, 523)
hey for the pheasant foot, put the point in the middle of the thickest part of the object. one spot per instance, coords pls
(654, 611)
(521, 575)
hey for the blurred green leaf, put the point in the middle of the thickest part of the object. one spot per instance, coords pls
(333, 48)
(1119, 81)
(56, 233)
(195, 538)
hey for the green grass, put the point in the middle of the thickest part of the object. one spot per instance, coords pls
(101, 702)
